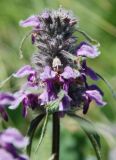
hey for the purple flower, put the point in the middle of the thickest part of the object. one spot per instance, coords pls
(27, 98)
(48, 77)
(23, 95)
(32, 21)
(92, 95)
(24, 71)
(52, 79)
(6, 99)
(11, 142)
(53, 34)
(96, 96)
(14, 137)
(47, 74)
(31, 100)
(19, 96)
(67, 77)
(27, 71)
(45, 97)
(95, 87)
(68, 73)
(65, 103)
(88, 51)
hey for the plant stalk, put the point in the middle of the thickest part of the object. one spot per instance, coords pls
(56, 136)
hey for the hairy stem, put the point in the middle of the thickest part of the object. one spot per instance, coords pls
(56, 136)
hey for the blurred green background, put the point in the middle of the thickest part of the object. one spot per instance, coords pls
(98, 19)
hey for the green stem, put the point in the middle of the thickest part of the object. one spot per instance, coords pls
(56, 136)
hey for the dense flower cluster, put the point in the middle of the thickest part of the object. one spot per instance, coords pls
(59, 65)
(11, 144)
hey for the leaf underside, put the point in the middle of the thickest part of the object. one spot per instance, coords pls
(31, 131)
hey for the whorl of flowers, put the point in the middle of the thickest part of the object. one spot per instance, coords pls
(11, 144)
(59, 72)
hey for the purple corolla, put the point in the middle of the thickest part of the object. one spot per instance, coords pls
(89, 51)
(32, 21)
(11, 143)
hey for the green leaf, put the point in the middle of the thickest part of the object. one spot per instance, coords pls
(43, 130)
(53, 106)
(90, 131)
(31, 131)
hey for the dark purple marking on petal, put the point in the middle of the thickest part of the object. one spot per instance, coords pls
(95, 87)
(5, 155)
(25, 103)
(11, 149)
(32, 101)
(86, 105)
(6, 98)
(33, 38)
(3, 113)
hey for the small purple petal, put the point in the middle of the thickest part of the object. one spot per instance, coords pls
(68, 73)
(88, 51)
(6, 98)
(24, 71)
(96, 96)
(32, 78)
(44, 98)
(19, 96)
(13, 136)
(47, 74)
(32, 21)
(11, 144)
(5, 155)
(65, 103)
(31, 100)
